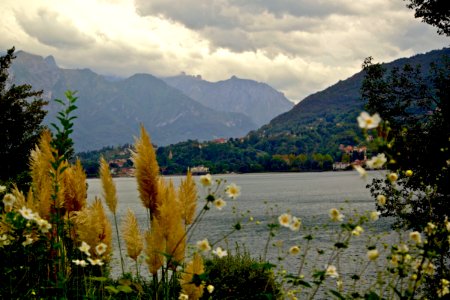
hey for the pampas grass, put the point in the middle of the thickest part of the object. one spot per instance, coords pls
(147, 172)
(132, 235)
(187, 196)
(155, 246)
(93, 227)
(75, 190)
(41, 159)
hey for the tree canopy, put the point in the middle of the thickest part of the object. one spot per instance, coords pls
(433, 12)
(21, 115)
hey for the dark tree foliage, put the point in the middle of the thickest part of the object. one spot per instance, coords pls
(433, 12)
(417, 109)
(21, 115)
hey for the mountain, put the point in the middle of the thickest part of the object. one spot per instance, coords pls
(323, 120)
(110, 111)
(257, 100)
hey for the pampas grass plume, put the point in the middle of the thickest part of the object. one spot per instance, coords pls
(132, 235)
(40, 165)
(155, 247)
(93, 227)
(75, 191)
(147, 172)
(188, 198)
(109, 189)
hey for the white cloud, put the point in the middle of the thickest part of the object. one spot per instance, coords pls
(297, 46)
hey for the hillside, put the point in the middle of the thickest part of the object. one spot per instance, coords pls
(327, 118)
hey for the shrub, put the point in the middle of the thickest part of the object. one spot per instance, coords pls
(239, 276)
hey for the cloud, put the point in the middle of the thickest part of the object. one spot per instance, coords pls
(53, 29)
(297, 46)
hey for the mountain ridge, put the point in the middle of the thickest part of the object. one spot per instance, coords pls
(255, 99)
(110, 111)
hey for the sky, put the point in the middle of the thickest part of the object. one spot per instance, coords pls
(298, 47)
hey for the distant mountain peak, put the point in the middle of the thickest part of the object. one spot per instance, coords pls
(257, 100)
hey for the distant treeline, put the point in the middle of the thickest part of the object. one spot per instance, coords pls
(223, 156)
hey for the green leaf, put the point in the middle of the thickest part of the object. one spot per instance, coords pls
(341, 245)
(124, 288)
(337, 294)
(100, 279)
(372, 296)
(111, 289)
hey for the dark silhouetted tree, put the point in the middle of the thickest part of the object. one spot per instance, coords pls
(21, 115)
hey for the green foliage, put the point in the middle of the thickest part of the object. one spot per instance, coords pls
(239, 276)
(20, 123)
(433, 12)
(418, 115)
(62, 140)
(416, 110)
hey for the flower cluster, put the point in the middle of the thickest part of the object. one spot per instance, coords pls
(289, 221)
(84, 248)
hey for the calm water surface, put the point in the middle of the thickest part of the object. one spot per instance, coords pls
(264, 196)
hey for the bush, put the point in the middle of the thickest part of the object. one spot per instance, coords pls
(239, 276)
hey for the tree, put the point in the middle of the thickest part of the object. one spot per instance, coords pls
(20, 123)
(416, 111)
(433, 12)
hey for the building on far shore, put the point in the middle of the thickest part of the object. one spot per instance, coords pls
(199, 170)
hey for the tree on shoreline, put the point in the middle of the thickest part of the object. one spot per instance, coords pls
(20, 123)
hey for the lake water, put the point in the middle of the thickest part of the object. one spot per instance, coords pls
(264, 197)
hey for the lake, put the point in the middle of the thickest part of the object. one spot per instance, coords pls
(264, 197)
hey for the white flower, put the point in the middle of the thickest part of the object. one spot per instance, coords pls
(206, 180)
(85, 248)
(219, 203)
(374, 215)
(2, 189)
(183, 297)
(203, 245)
(43, 225)
(100, 248)
(403, 248)
(210, 288)
(285, 220)
(336, 215)
(392, 177)
(377, 162)
(295, 224)
(362, 172)
(381, 199)
(430, 228)
(357, 231)
(416, 237)
(331, 271)
(28, 240)
(233, 191)
(9, 199)
(81, 263)
(368, 122)
(373, 254)
(95, 262)
(294, 250)
(27, 213)
(219, 252)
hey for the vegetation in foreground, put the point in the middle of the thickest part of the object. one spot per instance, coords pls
(57, 245)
